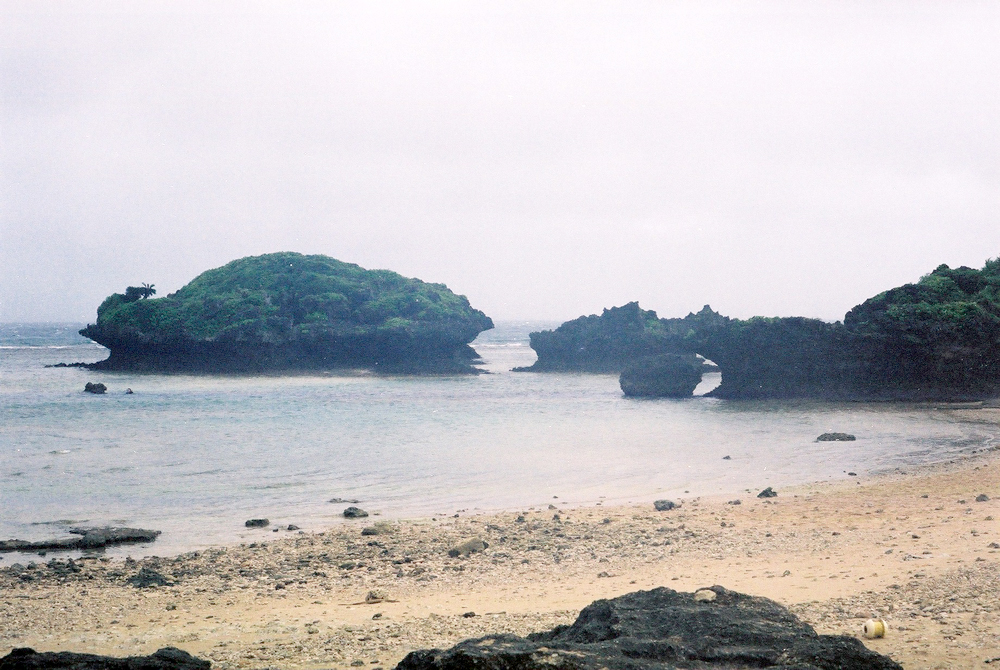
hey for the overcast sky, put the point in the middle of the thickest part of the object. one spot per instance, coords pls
(546, 159)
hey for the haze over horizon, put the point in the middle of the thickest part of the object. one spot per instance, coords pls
(546, 160)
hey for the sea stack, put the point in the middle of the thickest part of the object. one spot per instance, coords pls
(287, 311)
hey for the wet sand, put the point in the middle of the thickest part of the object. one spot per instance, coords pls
(915, 548)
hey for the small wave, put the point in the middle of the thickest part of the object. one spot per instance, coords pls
(60, 451)
(285, 485)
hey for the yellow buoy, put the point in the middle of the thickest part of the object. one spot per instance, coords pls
(875, 628)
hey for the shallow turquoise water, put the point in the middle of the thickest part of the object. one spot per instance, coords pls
(195, 456)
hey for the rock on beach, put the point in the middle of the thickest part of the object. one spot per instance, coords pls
(468, 547)
(168, 658)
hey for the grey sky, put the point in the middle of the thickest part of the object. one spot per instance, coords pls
(546, 159)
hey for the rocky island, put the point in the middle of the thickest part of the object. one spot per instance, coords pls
(937, 339)
(288, 311)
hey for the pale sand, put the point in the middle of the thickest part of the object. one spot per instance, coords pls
(914, 549)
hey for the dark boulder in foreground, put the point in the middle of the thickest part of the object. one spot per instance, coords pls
(168, 658)
(88, 538)
(660, 630)
(665, 376)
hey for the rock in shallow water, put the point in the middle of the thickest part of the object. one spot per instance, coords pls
(355, 513)
(88, 538)
(663, 629)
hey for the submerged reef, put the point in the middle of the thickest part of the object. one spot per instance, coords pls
(288, 311)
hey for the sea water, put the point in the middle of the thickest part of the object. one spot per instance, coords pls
(196, 455)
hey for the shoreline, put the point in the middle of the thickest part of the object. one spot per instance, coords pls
(231, 533)
(914, 548)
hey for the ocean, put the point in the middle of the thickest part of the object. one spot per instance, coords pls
(196, 456)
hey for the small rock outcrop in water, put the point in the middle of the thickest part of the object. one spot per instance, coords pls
(665, 376)
(355, 513)
(288, 311)
(168, 658)
(96, 389)
(89, 538)
(836, 437)
(257, 523)
(663, 629)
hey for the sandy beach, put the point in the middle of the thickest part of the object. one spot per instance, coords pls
(914, 547)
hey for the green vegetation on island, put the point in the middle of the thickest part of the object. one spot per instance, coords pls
(290, 311)
(942, 332)
(936, 339)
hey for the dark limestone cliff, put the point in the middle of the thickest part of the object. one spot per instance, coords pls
(604, 343)
(287, 311)
(938, 339)
(616, 338)
(789, 357)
